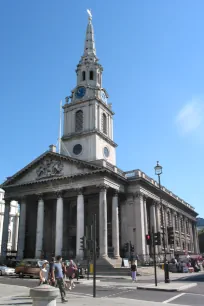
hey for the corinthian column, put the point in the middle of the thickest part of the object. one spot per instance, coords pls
(59, 225)
(115, 225)
(103, 229)
(145, 222)
(80, 222)
(40, 227)
(139, 221)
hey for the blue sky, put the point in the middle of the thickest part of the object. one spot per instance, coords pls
(152, 54)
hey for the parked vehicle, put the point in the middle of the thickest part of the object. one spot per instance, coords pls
(29, 267)
(4, 270)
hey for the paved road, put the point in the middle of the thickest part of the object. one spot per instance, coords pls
(125, 289)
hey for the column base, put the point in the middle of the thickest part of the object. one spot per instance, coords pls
(117, 257)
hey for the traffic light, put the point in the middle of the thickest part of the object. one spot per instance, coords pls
(83, 243)
(148, 239)
(170, 234)
(157, 238)
(132, 248)
(126, 247)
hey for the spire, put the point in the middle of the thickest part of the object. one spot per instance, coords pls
(89, 48)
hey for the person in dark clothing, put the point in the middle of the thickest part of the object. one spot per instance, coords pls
(52, 282)
(58, 276)
(133, 271)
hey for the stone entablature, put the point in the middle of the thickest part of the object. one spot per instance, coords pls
(131, 175)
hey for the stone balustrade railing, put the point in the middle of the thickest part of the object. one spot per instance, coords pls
(138, 173)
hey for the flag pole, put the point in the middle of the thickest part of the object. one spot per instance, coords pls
(60, 129)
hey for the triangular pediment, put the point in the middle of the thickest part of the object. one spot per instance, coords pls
(50, 165)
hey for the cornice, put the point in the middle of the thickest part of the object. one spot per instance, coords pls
(90, 132)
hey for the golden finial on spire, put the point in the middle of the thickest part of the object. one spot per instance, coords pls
(90, 15)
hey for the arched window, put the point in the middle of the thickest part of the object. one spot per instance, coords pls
(83, 75)
(91, 75)
(79, 121)
(104, 123)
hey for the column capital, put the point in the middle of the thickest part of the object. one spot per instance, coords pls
(79, 191)
(59, 194)
(7, 200)
(138, 195)
(39, 196)
(115, 193)
(103, 187)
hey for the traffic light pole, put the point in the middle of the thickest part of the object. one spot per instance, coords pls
(166, 267)
(94, 255)
(154, 256)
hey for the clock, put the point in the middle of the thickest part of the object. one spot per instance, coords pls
(103, 97)
(106, 152)
(80, 92)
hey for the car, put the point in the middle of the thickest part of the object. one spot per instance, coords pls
(29, 267)
(4, 270)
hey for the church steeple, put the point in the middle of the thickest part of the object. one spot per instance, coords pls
(89, 47)
(88, 117)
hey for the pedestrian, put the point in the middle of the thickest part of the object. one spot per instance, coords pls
(51, 280)
(58, 276)
(71, 272)
(44, 273)
(133, 271)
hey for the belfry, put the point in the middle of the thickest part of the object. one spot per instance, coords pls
(58, 193)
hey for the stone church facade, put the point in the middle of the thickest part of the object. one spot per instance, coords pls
(58, 193)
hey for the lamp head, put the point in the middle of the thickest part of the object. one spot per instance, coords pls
(158, 169)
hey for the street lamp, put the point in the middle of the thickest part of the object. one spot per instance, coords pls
(158, 172)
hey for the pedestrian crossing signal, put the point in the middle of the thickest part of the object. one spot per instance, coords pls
(148, 239)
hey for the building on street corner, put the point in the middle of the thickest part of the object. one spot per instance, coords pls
(58, 193)
(12, 242)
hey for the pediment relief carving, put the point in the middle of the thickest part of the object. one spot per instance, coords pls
(49, 167)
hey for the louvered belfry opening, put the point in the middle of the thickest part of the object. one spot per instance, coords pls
(104, 123)
(79, 121)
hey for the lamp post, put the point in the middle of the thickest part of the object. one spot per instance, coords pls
(158, 172)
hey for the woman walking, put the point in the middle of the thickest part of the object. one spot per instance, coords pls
(133, 271)
(44, 273)
(71, 271)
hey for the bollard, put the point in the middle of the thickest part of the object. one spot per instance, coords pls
(44, 295)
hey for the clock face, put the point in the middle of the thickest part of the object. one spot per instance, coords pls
(103, 97)
(80, 92)
(106, 152)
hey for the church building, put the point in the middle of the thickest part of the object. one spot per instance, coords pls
(58, 193)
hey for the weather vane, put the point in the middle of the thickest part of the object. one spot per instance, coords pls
(90, 15)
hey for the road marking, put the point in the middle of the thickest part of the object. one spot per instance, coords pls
(173, 298)
(195, 293)
(120, 292)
